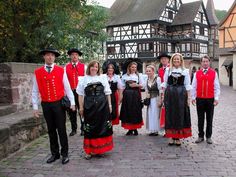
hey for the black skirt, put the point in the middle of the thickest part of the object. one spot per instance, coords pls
(113, 86)
(131, 109)
(97, 117)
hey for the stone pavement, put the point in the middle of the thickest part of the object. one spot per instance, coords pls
(139, 156)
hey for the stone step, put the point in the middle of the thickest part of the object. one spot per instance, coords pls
(17, 129)
(7, 109)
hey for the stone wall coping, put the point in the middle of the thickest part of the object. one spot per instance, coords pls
(17, 117)
(16, 67)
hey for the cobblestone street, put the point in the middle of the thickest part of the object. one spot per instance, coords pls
(139, 156)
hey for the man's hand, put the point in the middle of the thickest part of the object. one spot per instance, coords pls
(72, 107)
(36, 113)
(216, 102)
(193, 102)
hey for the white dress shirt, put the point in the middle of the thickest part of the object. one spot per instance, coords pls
(216, 87)
(35, 90)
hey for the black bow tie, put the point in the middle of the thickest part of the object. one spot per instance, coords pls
(74, 65)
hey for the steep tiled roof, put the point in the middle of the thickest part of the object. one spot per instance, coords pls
(210, 9)
(187, 13)
(133, 11)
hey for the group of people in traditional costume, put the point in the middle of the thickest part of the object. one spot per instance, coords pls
(103, 100)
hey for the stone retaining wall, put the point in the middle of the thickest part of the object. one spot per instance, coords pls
(18, 129)
(16, 84)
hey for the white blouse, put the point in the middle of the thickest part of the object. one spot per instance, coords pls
(184, 72)
(83, 83)
(132, 77)
(116, 79)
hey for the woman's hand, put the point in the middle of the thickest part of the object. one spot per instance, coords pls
(81, 112)
(110, 108)
(188, 101)
(132, 85)
(159, 103)
(72, 107)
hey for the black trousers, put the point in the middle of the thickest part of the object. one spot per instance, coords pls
(205, 107)
(55, 117)
(73, 114)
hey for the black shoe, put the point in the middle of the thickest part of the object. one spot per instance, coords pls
(209, 141)
(130, 132)
(199, 140)
(135, 132)
(153, 134)
(65, 160)
(53, 158)
(88, 156)
(72, 133)
(177, 142)
(171, 142)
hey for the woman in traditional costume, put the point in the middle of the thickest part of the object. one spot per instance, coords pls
(153, 85)
(111, 70)
(95, 106)
(131, 108)
(177, 99)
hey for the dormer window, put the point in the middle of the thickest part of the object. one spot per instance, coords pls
(135, 29)
(170, 15)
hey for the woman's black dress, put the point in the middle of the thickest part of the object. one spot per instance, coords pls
(131, 109)
(178, 121)
(97, 120)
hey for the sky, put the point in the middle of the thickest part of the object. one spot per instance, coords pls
(219, 4)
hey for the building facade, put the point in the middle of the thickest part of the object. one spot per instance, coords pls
(145, 28)
(227, 48)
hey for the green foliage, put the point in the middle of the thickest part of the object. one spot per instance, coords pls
(220, 14)
(27, 26)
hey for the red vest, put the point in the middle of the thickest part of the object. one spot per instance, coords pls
(205, 83)
(161, 73)
(73, 73)
(51, 87)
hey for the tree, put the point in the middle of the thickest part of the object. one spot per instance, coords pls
(28, 26)
(220, 14)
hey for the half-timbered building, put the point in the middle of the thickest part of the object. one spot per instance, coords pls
(227, 48)
(144, 28)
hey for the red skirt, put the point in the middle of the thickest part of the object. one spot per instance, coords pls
(132, 126)
(182, 133)
(98, 145)
(116, 121)
(162, 117)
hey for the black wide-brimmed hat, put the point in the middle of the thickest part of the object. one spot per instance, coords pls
(49, 50)
(74, 50)
(130, 60)
(107, 63)
(163, 54)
